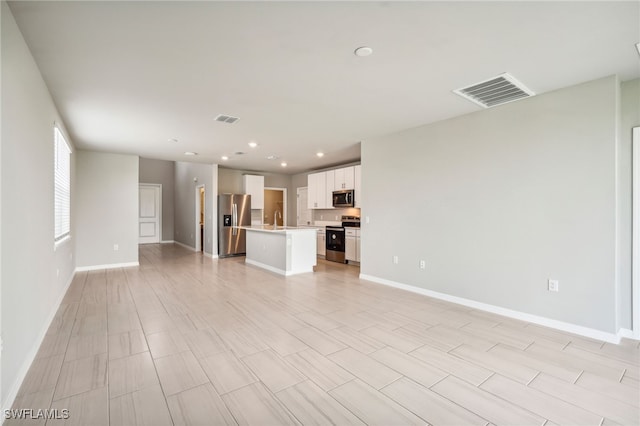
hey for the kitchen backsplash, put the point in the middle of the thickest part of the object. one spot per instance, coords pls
(334, 214)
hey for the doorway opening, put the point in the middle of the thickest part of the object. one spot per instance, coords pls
(275, 206)
(200, 218)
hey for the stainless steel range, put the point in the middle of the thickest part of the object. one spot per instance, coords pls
(336, 239)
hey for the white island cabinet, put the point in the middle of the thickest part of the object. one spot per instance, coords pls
(285, 251)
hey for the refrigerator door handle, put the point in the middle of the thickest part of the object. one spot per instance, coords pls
(234, 219)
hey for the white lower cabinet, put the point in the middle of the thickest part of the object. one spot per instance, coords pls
(322, 242)
(352, 244)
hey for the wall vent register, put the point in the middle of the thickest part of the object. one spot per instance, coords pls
(227, 119)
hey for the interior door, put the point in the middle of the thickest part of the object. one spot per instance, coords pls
(304, 213)
(149, 214)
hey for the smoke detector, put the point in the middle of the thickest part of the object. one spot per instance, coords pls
(495, 91)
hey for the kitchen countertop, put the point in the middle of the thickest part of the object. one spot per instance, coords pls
(278, 230)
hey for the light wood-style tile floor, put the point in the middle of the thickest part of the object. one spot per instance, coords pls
(186, 340)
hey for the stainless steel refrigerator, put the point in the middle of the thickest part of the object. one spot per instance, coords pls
(233, 210)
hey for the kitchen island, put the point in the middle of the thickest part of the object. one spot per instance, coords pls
(283, 250)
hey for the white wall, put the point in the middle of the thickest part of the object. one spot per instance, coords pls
(185, 204)
(34, 276)
(230, 180)
(629, 118)
(107, 209)
(161, 172)
(499, 201)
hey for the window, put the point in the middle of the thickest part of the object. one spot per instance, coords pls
(62, 178)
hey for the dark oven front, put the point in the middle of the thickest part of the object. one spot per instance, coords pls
(335, 244)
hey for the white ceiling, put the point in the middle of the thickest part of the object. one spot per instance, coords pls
(128, 76)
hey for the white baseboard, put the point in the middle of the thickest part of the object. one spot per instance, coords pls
(627, 334)
(185, 246)
(167, 242)
(212, 256)
(547, 322)
(107, 266)
(31, 356)
(265, 266)
(274, 269)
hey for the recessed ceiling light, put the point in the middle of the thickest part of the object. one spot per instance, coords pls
(363, 51)
(253, 144)
(320, 154)
(173, 140)
(190, 153)
(224, 158)
(272, 157)
(283, 164)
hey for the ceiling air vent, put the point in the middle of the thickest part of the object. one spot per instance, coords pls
(495, 91)
(227, 119)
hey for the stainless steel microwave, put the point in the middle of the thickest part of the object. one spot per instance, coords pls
(343, 198)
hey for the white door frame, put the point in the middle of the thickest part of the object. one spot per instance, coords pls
(284, 202)
(635, 251)
(199, 243)
(159, 187)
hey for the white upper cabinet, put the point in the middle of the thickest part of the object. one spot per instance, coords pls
(344, 178)
(330, 179)
(254, 186)
(317, 191)
(321, 186)
(312, 191)
(357, 184)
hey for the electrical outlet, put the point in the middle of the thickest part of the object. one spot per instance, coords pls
(395, 260)
(115, 247)
(554, 285)
(423, 264)
(366, 219)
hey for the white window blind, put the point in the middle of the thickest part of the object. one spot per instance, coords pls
(62, 178)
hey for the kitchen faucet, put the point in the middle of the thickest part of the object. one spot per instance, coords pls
(275, 219)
